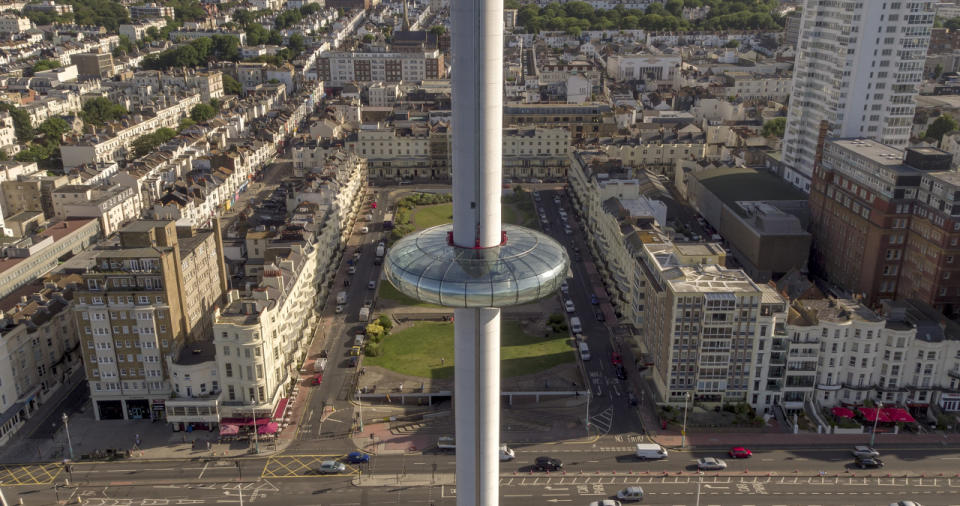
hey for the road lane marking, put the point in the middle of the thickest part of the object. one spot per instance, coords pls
(203, 470)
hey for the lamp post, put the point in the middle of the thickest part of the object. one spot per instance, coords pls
(683, 431)
(256, 429)
(66, 428)
(876, 418)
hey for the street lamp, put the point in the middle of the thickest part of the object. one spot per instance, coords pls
(683, 431)
(256, 429)
(66, 428)
(876, 419)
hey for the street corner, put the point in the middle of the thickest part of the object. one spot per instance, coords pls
(29, 474)
(303, 466)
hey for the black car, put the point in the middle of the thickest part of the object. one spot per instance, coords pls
(865, 462)
(621, 372)
(599, 315)
(547, 464)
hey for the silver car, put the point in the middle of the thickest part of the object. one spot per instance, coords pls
(864, 451)
(711, 464)
(331, 467)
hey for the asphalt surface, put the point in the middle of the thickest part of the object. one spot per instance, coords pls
(593, 471)
(610, 410)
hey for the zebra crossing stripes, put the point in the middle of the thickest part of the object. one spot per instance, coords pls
(602, 421)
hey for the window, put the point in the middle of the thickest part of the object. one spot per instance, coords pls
(231, 394)
(228, 370)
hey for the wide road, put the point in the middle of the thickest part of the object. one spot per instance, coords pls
(593, 470)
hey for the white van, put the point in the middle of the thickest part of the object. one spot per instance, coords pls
(575, 325)
(358, 340)
(651, 451)
(320, 365)
(584, 351)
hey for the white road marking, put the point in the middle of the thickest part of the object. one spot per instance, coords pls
(203, 471)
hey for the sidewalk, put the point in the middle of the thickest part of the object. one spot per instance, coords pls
(726, 440)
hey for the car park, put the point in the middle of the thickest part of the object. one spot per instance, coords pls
(711, 464)
(865, 462)
(630, 494)
(864, 451)
(358, 457)
(547, 464)
(568, 305)
(331, 467)
(739, 452)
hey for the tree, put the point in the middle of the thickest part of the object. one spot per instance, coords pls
(22, 127)
(98, 111)
(368, 38)
(202, 112)
(374, 331)
(937, 71)
(774, 128)
(42, 65)
(733, 44)
(231, 86)
(148, 142)
(952, 23)
(940, 126)
(185, 123)
(53, 128)
(296, 44)
(385, 322)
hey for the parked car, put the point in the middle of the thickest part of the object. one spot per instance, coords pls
(331, 467)
(372, 284)
(358, 457)
(605, 502)
(352, 269)
(506, 453)
(615, 358)
(865, 462)
(864, 451)
(630, 494)
(621, 372)
(594, 300)
(317, 379)
(599, 316)
(339, 309)
(547, 464)
(568, 305)
(564, 288)
(711, 464)
(739, 452)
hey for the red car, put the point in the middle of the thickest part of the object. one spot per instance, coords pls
(317, 379)
(616, 359)
(740, 452)
(373, 205)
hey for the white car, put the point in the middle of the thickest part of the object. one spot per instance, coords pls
(564, 287)
(568, 305)
(352, 269)
(339, 309)
(605, 502)
(331, 467)
(372, 284)
(506, 453)
(864, 451)
(567, 230)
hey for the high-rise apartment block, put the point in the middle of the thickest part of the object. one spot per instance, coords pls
(859, 64)
(886, 222)
(143, 297)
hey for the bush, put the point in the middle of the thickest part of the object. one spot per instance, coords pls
(385, 322)
(374, 330)
(555, 319)
(371, 349)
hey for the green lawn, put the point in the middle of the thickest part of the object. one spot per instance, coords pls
(387, 291)
(417, 351)
(431, 216)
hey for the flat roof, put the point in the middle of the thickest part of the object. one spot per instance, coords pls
(731, 184)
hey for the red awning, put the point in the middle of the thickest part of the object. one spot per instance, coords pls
(270, 428)
(870, 414)
(842, 412)
(281, 406)
(244, 421)
(229, 430)
(897, 415)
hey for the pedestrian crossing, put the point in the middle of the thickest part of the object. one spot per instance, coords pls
(602, 421)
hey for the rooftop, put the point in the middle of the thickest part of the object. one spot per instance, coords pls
(732, 184)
